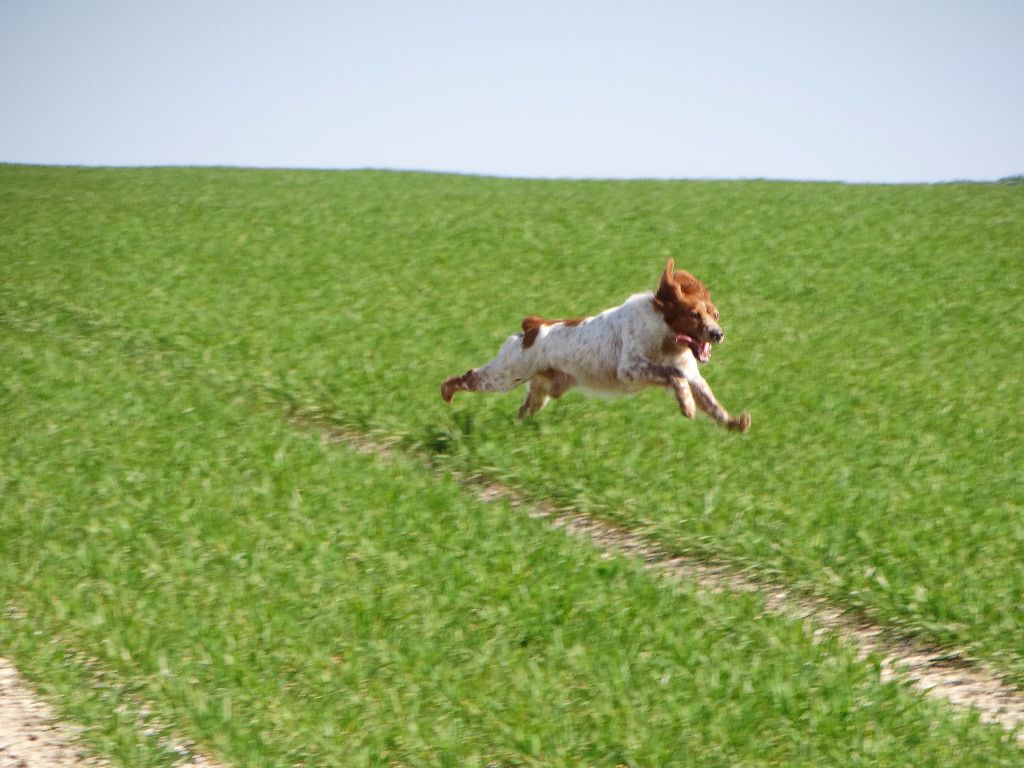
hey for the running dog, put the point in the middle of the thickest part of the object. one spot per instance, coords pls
(651, 340)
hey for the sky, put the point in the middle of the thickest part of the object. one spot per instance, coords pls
(849, 90)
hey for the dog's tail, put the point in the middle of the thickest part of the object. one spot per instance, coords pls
(532, 323)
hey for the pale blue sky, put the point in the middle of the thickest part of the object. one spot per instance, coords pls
(857, 91)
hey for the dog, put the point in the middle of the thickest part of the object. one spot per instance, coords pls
(651, 340)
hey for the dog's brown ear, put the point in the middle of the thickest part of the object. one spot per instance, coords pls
(668, 290)
(668, 276)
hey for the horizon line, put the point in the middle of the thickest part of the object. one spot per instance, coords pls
(1012, 178)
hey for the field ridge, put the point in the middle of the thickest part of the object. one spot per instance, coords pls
(943, 674)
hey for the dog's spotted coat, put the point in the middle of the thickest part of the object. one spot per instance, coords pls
(652, 339)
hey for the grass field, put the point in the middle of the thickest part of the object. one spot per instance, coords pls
(284, 600)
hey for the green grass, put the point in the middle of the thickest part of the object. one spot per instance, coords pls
(874, 332)
(158, 515)
(283, 601)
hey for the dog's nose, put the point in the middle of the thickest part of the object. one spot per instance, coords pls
(717, 334)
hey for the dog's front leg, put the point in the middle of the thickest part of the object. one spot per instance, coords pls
(707, 402)
(684, 396)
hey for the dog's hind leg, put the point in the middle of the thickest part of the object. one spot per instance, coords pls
(537, 396)
(542, 387)
(561, 382)
(508, 370)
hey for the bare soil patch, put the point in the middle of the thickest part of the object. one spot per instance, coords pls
(30, 735)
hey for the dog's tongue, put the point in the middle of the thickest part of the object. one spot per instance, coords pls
(702, 349)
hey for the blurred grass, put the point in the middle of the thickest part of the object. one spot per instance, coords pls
(285, 601)
(874, 332)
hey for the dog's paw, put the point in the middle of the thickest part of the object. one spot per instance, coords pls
(448, 388)
(740, 423)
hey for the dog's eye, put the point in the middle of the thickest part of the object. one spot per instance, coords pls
(716, 314)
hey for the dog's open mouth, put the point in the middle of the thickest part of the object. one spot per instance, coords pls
(701, 349)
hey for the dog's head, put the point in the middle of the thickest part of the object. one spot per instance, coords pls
(686, 307)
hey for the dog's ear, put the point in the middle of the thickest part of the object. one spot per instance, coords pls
(669, 289)
(668, 276)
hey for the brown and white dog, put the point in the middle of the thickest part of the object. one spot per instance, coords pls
(650, 340)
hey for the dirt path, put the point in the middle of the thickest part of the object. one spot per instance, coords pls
(30, 736)
(938, 673)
